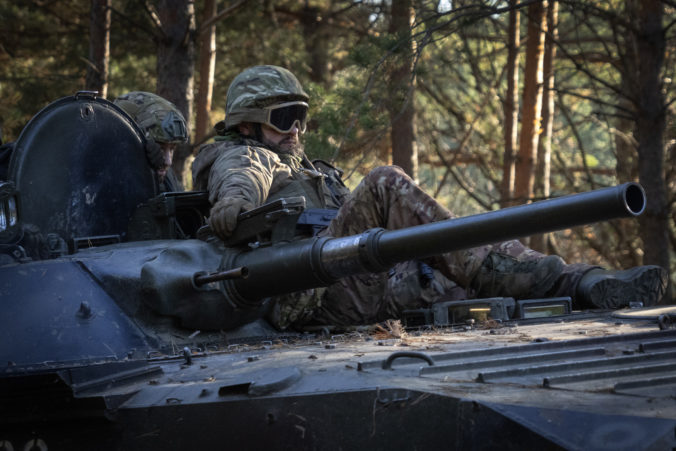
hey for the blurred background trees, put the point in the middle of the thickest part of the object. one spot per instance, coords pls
(486, 103)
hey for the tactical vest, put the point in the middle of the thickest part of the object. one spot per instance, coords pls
(321, 188)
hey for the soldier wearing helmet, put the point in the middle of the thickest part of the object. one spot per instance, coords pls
(164, 128)
(258, 157)
(266, 112)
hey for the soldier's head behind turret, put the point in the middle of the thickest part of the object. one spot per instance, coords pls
(159, 119)
(162, 124)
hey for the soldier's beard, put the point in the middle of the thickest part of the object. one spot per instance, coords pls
(285, 147)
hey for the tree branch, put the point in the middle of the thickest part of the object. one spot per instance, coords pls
(222, 15)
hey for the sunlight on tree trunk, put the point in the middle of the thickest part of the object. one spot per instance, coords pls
(532, 102)
(510, 106)
(544, 155)
(99, 47)
(207, 58)
(402, 112)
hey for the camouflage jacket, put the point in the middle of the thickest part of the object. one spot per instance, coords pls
(244, 168)
(236, 167)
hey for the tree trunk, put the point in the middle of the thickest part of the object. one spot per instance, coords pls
(625, 126)
(544, 155)
(650, 128)
(532, 102)
(99, 47)
(511, 108)
(402, 113)
(207, 43)
(176, 63)
(314, 23)
(624, 138)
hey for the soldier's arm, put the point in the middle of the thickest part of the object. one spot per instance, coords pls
(241, 172)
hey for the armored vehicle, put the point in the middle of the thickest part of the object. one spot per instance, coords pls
(101, 348)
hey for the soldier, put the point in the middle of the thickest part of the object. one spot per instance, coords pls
(259, 158)
(164, 128)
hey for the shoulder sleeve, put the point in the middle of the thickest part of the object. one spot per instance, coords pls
(245, 172)
(201, 166)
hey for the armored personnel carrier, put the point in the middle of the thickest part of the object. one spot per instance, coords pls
(101, 348)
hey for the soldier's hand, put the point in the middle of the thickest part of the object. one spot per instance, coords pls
(223, 216)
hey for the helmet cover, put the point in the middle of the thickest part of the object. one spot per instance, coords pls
(159, 119)
(257, 87)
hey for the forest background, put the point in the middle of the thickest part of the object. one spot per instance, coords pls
(485, 103)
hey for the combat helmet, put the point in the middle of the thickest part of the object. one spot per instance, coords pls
(266, 94)
(159, 119)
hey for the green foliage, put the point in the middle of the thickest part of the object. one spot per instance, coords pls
(133, 56)
(343, 53)
(42, 57)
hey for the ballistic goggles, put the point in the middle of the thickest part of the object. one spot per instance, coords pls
(283, 117)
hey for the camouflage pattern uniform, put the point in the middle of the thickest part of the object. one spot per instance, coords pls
(386, 198)
(236, 167)
(239, 168)
(389, 198)
(245, 168)
(162, 122)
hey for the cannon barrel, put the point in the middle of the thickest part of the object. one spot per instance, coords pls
(320, 261)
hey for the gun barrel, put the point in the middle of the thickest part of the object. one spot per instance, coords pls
(236, 273)
(321, 261)
(514, 222)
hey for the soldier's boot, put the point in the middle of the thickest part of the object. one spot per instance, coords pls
(614, 289)
(504, 275)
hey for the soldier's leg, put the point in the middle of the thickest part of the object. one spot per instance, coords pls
(371, 298)
(513, 270)
(388, 198)
(352, 300)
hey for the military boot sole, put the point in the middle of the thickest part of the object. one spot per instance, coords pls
(616, 289)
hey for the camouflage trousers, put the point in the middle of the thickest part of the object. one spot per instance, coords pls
(389, 198)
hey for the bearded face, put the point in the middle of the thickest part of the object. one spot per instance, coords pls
(280, 143)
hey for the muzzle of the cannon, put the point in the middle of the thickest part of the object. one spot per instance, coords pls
(320, 261)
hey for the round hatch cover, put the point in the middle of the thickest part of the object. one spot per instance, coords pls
(80, 169)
